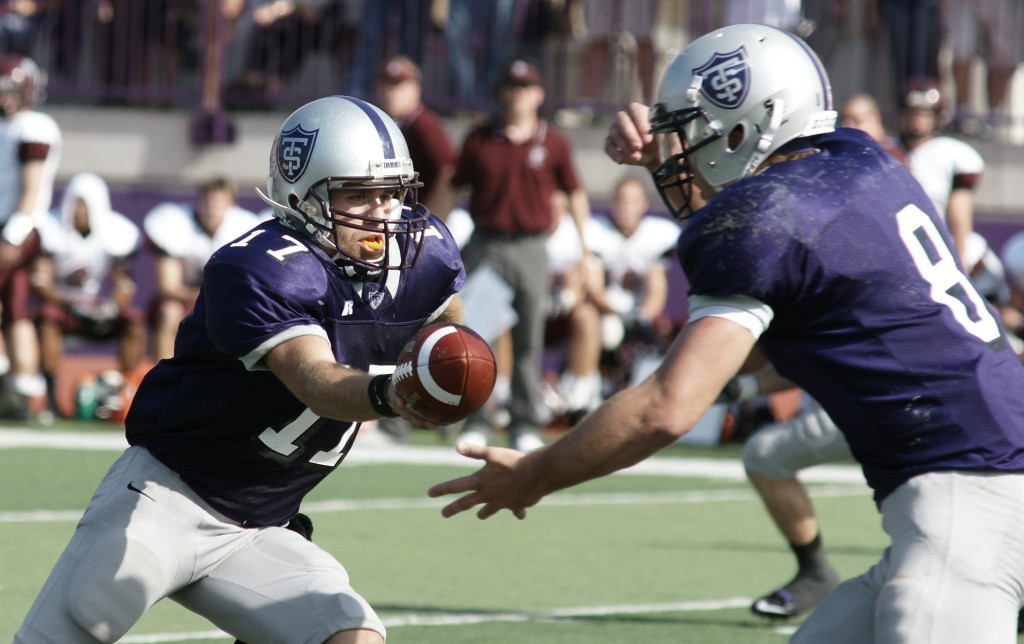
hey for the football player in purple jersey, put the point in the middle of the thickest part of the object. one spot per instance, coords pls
(820, 248)
(286, 351)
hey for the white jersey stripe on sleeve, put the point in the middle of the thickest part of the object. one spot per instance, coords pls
(750, 313)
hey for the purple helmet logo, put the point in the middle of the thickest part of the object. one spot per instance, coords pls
(726, 78)
(294, 149)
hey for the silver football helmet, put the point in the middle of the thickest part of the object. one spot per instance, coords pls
(22, 83)
(344, 143)
(732, 98)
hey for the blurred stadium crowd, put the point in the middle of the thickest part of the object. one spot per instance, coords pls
(218, 59)
(217, 55)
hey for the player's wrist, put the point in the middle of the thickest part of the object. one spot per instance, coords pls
(378, 393)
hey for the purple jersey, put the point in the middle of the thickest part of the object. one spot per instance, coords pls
(874, 316)
(216, 416)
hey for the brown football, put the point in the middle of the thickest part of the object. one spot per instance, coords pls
(445, 373)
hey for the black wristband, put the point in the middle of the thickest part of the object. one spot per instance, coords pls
(378, 391)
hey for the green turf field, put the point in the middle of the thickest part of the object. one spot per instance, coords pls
(672, 556)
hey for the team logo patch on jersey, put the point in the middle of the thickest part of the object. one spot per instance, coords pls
(294, 149)
(538, 154)
(726, 78)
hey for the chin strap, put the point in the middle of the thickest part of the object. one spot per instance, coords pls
(355, 272)
(319, 235)
(294, 220)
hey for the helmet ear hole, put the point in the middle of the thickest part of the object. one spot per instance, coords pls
(735, 138)
(300, 205)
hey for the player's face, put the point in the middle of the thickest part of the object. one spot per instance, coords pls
(212, 207)
(628, 206)
(860, 115)
(10, 103)
(370, 209)
(521, 99)
(918, 123)
(399, 99)
(81, 218)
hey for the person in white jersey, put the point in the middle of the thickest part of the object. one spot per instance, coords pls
(635, 249)
(948, 169)
(184, 237)
(30, 150)
(83, 281)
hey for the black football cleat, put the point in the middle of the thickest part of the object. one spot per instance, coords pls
(777, 605)
(798, 596)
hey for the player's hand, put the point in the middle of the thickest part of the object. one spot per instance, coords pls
(501, 484)
(630, 140)
(405, 411)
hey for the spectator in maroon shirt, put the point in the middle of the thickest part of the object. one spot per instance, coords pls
(513, 167)
(400, 91)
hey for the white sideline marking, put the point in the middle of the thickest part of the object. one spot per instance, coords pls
(157, 638)
(558, 499)
(720, 469)
(847, 480)
(11, 438)
(459, 619)
(41, 516)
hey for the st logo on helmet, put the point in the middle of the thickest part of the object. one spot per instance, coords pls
(293, 152)
(726, 78)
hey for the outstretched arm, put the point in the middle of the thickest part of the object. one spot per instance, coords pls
(628, 428)
(306, 365)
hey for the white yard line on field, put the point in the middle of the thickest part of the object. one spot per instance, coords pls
(463, 618)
